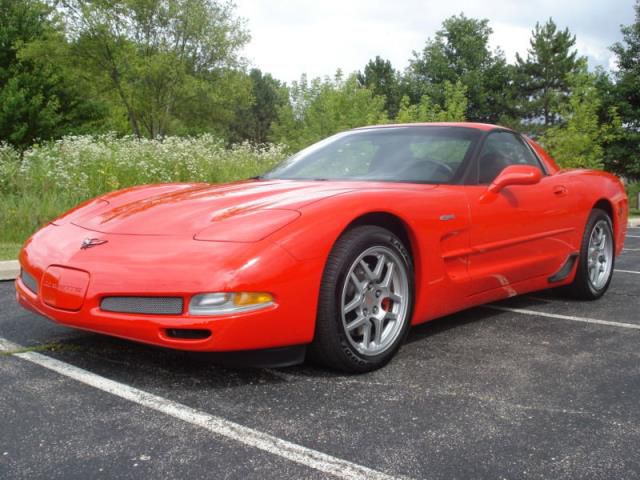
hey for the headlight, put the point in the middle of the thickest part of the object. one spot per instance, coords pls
(222, 303)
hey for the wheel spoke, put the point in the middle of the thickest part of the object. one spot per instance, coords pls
(394, 297)
(367, 271)
(603, 243)
(353, 304)
(392, 317)
(377, 271)
(358, 322)
(356, 282)
(377, 337)
(593, 274)
(386, 283)
(366, 334)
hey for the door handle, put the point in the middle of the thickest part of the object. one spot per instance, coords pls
(560, 190)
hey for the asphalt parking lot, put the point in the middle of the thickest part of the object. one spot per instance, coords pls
(533, 387)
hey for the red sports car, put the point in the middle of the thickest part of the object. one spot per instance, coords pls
(334, 253)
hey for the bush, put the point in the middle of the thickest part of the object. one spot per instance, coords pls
(633, 189)
(9, 162)
(49, 179)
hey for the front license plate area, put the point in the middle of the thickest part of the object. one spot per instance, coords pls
(64, 288)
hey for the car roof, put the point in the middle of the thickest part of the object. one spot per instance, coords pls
(477, 126)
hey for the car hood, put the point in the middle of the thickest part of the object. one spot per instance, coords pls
(188, 209)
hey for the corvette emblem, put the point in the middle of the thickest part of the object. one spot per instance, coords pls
(92, 242)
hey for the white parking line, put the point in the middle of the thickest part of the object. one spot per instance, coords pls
(633, 236)
(631, 249)
(563, 317)
(626, 271)
(217, 425)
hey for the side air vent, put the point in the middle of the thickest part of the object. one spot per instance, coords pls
(145, 305)
(565, 270)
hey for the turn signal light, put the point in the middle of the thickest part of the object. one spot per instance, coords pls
(226, 303)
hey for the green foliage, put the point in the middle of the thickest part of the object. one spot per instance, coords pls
(253, 122)
(460, 53)
(455, 106)
(156, 68)
(321, 108)
(37, 99)
(28, 104)
(170, 64)
(52, 177)
(624, 154)
(380, 77)
(9, 163)
(628, 75)
(633, 189)
(578, 143)
(542, 80)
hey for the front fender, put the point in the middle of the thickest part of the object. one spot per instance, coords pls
(437, 224)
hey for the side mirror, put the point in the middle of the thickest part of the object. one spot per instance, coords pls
(515, 175)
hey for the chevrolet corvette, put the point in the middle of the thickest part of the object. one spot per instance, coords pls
(335, 253)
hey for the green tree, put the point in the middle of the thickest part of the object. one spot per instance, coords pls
(382, 79)
(37, 99)
(623, 155)
(460, 53)
(253, 122)
(542, 80)
(321, 108)
(579, 141)
(455, 106)
(171, 64)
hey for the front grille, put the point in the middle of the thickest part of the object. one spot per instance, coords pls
(148, 305)
(29, 281)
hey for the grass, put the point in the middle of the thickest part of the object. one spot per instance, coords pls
(47, 180)
(9, 251)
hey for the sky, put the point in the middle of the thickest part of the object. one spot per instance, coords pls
(291, 37)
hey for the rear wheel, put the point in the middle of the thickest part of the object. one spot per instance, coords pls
(366, 301)
(597, 258)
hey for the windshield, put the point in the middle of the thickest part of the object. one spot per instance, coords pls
(420, 154)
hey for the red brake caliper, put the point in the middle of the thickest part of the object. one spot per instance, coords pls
(387, 304)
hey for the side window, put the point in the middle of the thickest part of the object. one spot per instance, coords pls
(500, 150)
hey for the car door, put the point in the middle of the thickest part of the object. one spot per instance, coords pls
(523, 231)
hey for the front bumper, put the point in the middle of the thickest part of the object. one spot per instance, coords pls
(176, 267)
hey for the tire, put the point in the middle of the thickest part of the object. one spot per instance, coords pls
(596, 260)
(365, 302)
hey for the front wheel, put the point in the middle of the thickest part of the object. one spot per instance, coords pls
(366, 301)
(596, 260)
